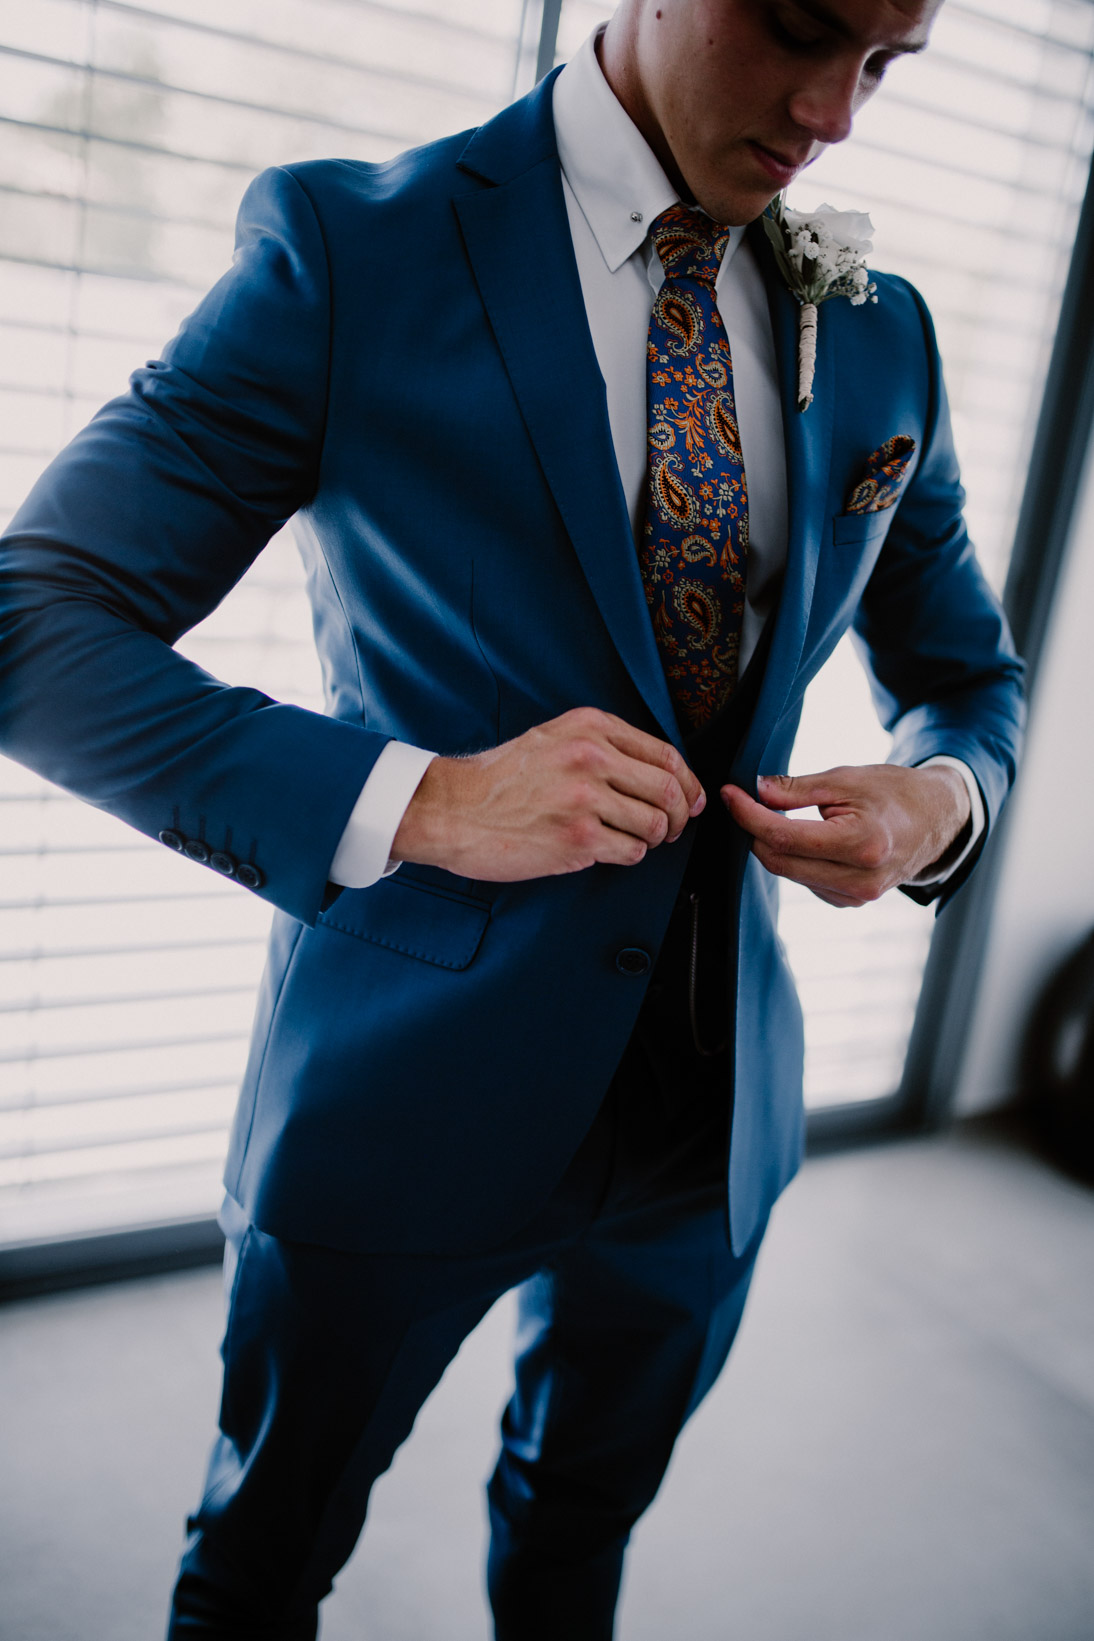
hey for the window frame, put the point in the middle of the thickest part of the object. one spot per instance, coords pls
(924, 1098)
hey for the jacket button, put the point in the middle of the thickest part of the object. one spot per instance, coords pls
(222, 861)
(197, 850)
(173, 840)
(249, 876)
(633, 960)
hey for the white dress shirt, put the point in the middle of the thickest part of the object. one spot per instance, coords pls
(614, 187)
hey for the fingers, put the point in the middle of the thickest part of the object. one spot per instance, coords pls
(580, 789)
(619, 761)
(640, 820)
(612, 848)
(839, 884)
(874, 832)
(648, 789)
(655, 754)
(807, 791)
(835, 838)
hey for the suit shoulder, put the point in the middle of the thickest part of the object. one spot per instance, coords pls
(897, 327)
(901, 306)
(416, 173)
(359, 218)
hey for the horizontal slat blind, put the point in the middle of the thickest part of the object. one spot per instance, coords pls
(127, 136)
(972, 161)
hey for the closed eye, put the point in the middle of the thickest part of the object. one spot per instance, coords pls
(875, 68)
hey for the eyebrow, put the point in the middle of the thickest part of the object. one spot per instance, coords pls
(820, 13)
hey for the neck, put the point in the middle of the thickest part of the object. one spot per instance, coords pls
(617, 54)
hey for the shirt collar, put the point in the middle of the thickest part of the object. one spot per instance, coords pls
(614, 174)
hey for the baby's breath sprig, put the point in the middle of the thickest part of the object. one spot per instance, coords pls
(820, 254)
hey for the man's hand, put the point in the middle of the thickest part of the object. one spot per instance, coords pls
(881, 825)
(582, 788)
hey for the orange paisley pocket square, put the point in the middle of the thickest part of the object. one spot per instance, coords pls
(882, 477)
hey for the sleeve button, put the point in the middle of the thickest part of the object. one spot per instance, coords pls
(633, 960)
(197, 850)
(173, 840)
(222, 861)
(249, 876)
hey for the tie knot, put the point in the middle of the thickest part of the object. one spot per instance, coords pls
(691, 245)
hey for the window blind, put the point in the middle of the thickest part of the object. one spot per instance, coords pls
(971, 161)
(127, 135)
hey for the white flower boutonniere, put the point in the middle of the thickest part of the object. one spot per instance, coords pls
(820, 254)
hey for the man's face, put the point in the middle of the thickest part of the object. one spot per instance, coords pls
(736, 96)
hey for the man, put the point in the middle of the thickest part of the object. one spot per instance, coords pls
(523, 1056)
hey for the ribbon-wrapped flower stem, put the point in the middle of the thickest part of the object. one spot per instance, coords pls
(820, 255)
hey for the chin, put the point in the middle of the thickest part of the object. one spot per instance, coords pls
(736, 212)
(741, 206)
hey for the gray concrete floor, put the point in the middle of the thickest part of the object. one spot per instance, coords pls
(901, 1448)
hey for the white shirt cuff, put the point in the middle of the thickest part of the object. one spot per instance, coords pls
(363, 855)
(931, 874)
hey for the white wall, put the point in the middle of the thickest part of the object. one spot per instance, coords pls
(1045, 900)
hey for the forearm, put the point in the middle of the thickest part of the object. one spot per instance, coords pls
(104, 707)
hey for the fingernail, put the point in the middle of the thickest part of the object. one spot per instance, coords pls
(674, 837)
(767, 780)
(698, 806)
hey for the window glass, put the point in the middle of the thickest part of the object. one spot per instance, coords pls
(971, 161)
(129, 133)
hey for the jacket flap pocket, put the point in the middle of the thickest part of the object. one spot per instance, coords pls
(856, 529)
(432, 924)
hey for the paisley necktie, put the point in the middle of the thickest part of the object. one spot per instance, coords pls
(695, 536)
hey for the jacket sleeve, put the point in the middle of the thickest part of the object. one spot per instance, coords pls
(944, 672)
(136, 532)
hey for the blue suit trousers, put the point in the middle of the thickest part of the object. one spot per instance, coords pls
(629, 1300)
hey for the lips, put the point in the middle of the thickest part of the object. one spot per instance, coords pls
(782, 168)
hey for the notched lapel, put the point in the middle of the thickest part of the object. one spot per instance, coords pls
(517, 238)
(808, 460)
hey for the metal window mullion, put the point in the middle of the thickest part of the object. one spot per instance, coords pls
(548, 38)
(1042, 538)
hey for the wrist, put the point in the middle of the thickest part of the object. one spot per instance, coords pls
(428, 834)
(953, 815)
(959, 795)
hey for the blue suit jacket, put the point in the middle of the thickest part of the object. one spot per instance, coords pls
(399, 356)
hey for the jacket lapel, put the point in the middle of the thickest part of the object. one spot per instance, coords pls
(808, 458)
(517, 238)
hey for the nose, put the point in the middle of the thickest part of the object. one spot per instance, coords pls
(826, 106)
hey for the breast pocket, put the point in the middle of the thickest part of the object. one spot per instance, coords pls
(426, 921)
(860, 529)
